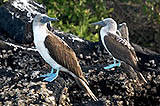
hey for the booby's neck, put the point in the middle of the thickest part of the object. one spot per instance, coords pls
(40, 32)
(112, 28)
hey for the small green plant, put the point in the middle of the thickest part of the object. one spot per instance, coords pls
(76, 15)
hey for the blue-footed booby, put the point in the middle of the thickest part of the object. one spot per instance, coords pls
(123, 33)
(57, 53)
(119, 48)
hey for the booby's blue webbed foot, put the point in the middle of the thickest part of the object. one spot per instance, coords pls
(119, 63)
(51, 76)
(113, 65)
(109, 66)
(47, 75)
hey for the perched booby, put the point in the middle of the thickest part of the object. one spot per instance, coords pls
(123, 33)
(57, 53)
(117, 47)
(109, 27)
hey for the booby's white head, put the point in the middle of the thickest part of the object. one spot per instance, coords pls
(42, 20)
(108, 24)
(40, 26)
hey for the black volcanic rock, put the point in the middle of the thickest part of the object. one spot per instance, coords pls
(16, 18)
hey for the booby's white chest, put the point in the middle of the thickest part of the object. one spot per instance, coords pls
(103, 33)
(39, 38)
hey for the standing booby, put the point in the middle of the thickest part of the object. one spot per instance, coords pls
(109, 26)
(123, 33)
(57, 53)
(117, 47)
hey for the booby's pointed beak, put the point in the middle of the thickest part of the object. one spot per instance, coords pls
(100, 23)
(46, 19)
(122, 24)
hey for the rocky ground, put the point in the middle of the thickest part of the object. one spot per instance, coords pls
(20, 84)
(20, 70)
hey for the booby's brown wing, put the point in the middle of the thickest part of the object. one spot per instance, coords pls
(63, 54)
(121, 49)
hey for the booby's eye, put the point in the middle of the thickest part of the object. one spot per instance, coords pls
(41, 18)
(44, 19)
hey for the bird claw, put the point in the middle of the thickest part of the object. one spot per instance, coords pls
(46, 75)
(118, 64)
(109, 66)
(113, 65)
(50, 76)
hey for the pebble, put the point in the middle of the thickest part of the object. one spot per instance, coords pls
(81, 56)
(87, 57)
(152, 61)
(3, 51)
(35, 74)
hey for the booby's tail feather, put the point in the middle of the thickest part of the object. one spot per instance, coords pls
(138, 70)
(133, 73)
(87, 89)
(141, 77)
(82, 82)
